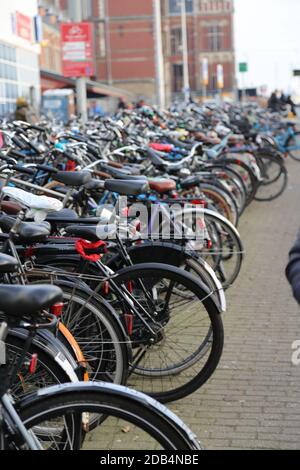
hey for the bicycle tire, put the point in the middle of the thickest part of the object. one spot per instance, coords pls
(148, 415)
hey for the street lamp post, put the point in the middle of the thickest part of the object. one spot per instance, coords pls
(160, 76)
(80, 82)
(185, 56)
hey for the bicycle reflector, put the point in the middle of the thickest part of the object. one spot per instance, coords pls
(57, 309)
(106, 288)
(209, 244)
(129, 323)
(33, 363)
(199, 202)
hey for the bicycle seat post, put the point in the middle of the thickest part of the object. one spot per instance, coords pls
(3, 365)
(19, 219)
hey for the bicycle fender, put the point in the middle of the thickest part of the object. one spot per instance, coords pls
(47, 342)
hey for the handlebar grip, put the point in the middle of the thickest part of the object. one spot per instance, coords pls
(29, 143)
(37, 128)
(22, 169)
(94, 151)
(6, 158)
(115, 165)
(34, 147)
(71, 156)
(18, 142)
(77, 138)
(47, 169)
(17, 154)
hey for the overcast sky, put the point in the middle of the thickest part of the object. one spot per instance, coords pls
(268, 38)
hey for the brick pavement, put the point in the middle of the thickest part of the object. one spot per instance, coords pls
(253, 400)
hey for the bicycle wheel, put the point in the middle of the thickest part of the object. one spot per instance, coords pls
(250, 180)
(225, 252)
(177, 334)
(99, 336)
(238, 187)
(275, 178)
(58, 420)
(221, 200)
(293, 146)
(94, 326)
(47, 370)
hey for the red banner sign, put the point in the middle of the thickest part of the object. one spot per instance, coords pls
(77, 49)
(23, 26)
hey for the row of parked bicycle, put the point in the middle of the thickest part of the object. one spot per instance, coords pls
(97, 294)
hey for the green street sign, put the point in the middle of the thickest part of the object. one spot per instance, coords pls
(243, 66)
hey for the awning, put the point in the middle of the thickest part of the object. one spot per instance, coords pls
(51, 81)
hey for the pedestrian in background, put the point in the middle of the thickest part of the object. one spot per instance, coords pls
(122, 104)
(293, 269)
(292, 105)
(275, 103)
(25, 112)
(22, 108)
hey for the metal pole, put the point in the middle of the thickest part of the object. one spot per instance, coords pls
(243, 88)
(108, 44)
(160, 76)
(204, 77)
(185, 57)
(80, 82)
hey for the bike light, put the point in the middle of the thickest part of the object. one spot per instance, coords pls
(33, 363)
(209, 244)
(57, 309)
(129, 323)
(199, 202)
(106, 288)
(29, 252)
(130, 287)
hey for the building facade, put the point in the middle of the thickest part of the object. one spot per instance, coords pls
(53, 13)
(126, 58)
(125, 44)
(210, 36)
(19, 54)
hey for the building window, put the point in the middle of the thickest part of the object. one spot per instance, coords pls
(177, 78)
(87, 9)
(175, 6)
(176, 41)
(215, 38)
(18, 70)
(7, 53)
(11, 91)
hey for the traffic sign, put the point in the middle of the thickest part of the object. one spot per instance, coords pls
(243, 67)
(77, 49)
